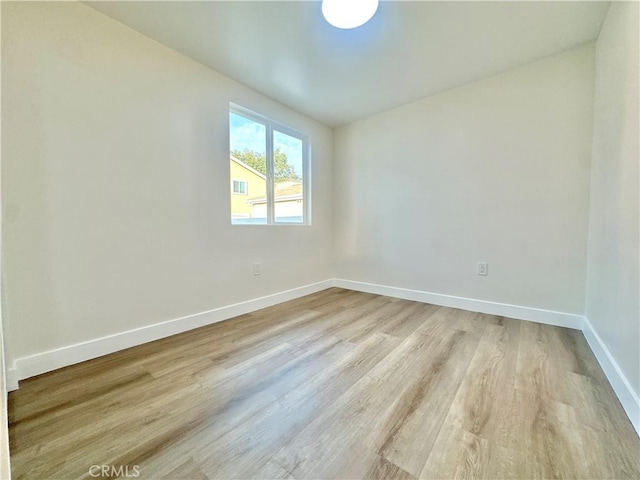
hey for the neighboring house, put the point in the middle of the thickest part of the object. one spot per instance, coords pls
(245, 182)
(288, 202)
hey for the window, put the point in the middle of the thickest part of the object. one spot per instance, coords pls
(239, 187)
(269, 171)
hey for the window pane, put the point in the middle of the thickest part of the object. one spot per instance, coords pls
(248, 167)
(288, 188)
(240, 187)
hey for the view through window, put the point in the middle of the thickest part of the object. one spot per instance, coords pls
(267, 171)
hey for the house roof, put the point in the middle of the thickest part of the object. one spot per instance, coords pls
(242, 164)
(284, 191)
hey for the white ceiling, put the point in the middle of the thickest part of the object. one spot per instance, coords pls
(409, 50)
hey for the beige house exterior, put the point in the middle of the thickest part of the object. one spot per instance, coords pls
(246, 182)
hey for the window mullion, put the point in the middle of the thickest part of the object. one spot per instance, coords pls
(270, 177)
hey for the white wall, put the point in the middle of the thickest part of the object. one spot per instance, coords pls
(116, 184)
(613, 286)
(5, 468)
(495, 171)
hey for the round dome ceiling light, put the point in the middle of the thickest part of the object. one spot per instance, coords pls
(348, 13)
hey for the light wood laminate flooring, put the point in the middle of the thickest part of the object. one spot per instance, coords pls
(338, 384)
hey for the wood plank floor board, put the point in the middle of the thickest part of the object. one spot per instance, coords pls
(542, 363)
(300, 406)
(551, 444)
(375, 321)
(188, 469)
(226, 383)
(460, 455)
(406, 432)
(381, 397)
(484, 396)
(271, 470)
(609, 435)
(441, 321)
(412, 317)
(337, 384)
(195, 406)
(227, 446)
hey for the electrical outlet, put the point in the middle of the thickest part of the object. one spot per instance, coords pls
(257, 269)
(483, 268)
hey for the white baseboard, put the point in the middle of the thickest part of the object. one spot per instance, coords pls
(39, 363)
(621, 386)
(11, 379)
(550, 317)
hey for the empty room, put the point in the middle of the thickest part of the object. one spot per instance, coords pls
(320, 239)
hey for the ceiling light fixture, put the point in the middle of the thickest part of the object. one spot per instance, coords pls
(348, 13)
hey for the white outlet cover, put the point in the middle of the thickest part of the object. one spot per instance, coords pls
(483, 268)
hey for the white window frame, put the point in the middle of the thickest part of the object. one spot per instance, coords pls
(270, 126)
(246, 186)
